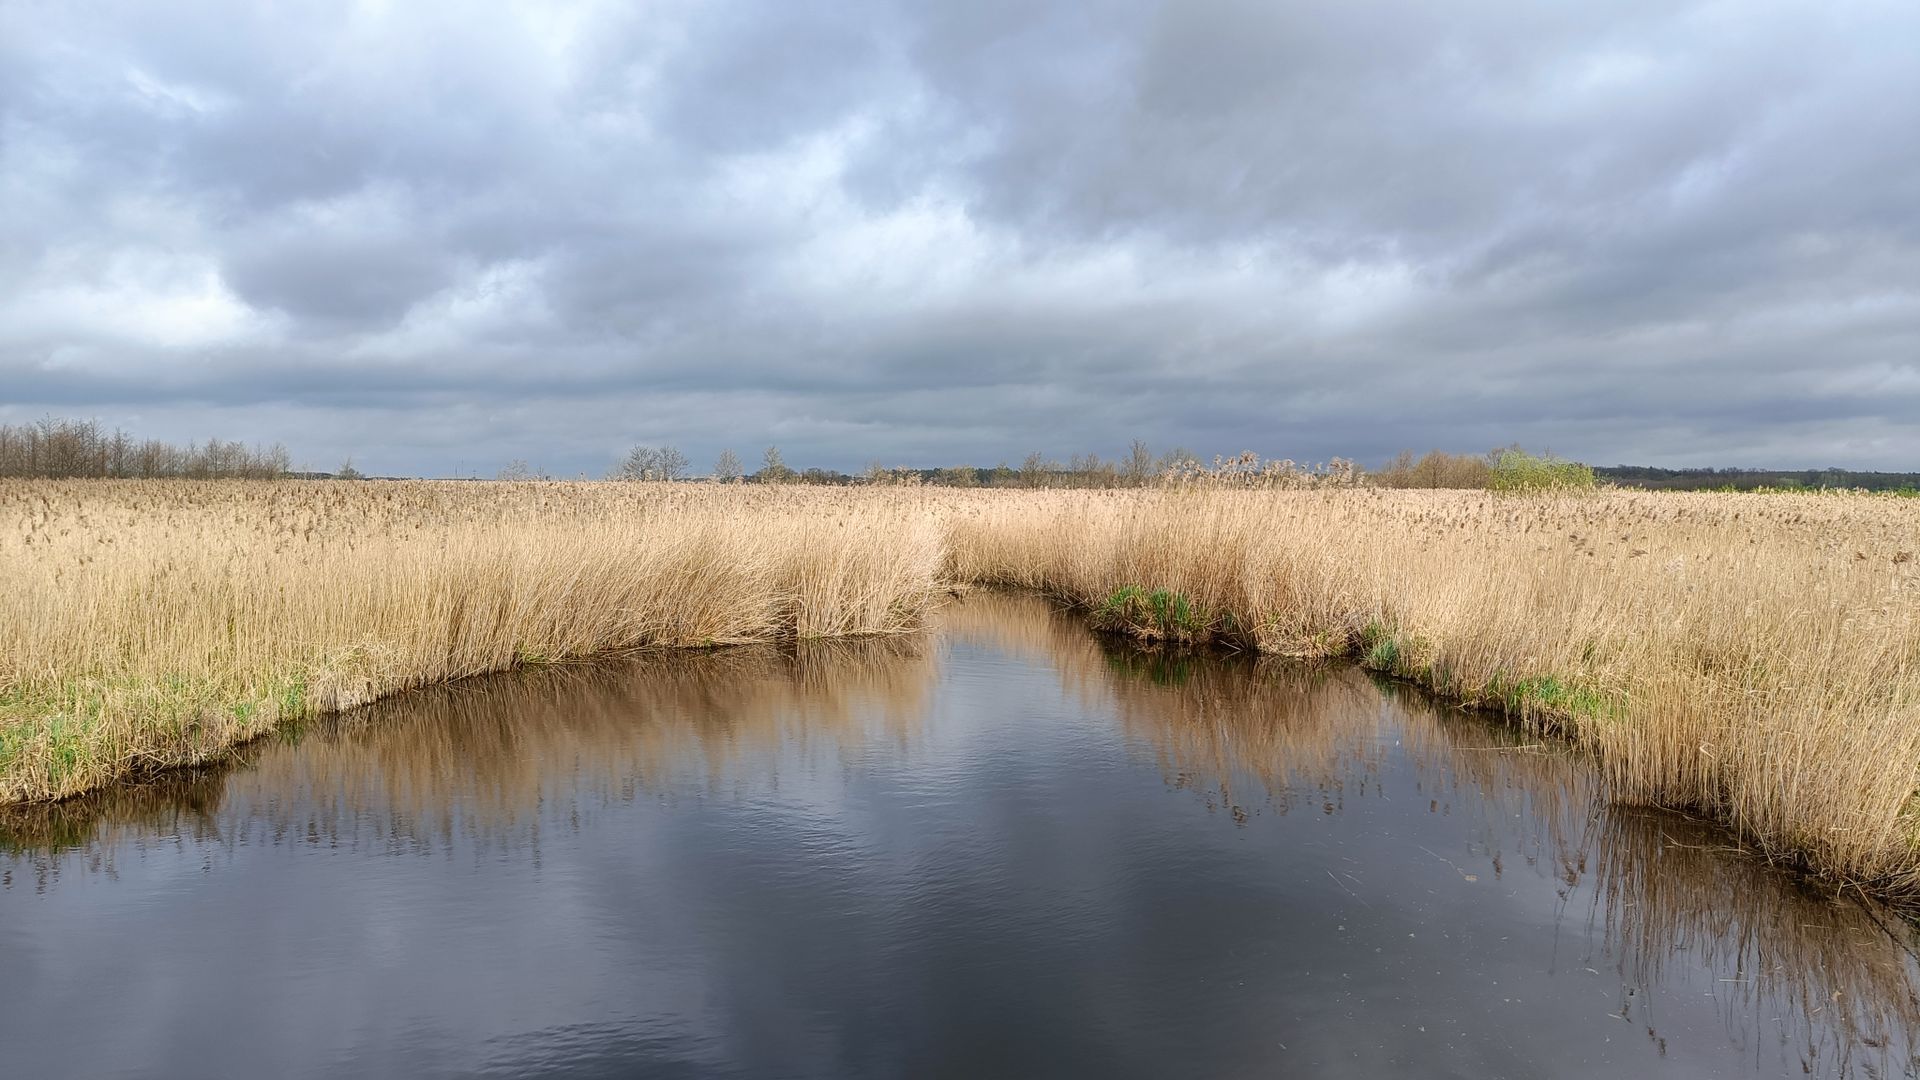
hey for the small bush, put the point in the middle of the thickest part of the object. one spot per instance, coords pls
(1519, 471)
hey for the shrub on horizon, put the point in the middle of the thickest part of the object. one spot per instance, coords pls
(1517, 471)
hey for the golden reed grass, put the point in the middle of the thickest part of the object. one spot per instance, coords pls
(1753, 658)
(152, 624)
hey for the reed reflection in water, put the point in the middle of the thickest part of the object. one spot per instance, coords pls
(1831, 979)
(488, 758)
(1360, 800)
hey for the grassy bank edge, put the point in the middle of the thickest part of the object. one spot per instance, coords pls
(1545, 704)
(92, 732)
(76, 740)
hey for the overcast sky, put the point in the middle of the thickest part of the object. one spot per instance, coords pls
(438, 237)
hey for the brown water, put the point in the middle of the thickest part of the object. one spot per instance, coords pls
(1003, 849)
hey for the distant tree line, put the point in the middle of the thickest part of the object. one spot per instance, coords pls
(1437, 469)
(62, 449)
(651, 463)
(1139, 468)
(58, 448)
(1645, 476)
(1509, 468)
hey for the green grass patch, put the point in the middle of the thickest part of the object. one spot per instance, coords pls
(54, 741)
(1157, 614)
(1379, 647)
(1392, 650)
(1551, 696)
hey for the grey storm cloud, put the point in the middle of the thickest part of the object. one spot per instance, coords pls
(437, 237)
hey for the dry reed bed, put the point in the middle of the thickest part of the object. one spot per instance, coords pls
(154, 624)
(1753, 658)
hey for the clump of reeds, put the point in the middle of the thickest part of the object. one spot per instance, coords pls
(1757, 661)
(152, 624)
(1249, 470)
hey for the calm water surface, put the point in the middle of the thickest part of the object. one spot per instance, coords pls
(1003, 849)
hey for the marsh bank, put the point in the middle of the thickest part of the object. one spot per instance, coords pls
(1005, 847)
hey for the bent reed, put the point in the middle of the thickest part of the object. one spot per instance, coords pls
(1753, 660)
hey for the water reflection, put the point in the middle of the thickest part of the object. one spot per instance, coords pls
(1418, 808)
(489, 757)
(1833, 979)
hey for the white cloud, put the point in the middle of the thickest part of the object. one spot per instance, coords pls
(136, 297)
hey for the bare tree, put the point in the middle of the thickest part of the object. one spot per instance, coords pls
(671, 463)
(67, 448)
(1438, 469)
(1177, 460)
(641, 463)
(959, 476)
(1033, 471)
(773, 468)
(727, 469)
(120, 455)
(1139, 467)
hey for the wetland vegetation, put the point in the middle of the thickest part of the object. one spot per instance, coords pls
(1756, 661)
(859, 853)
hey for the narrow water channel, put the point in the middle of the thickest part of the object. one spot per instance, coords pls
(1006, 848)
